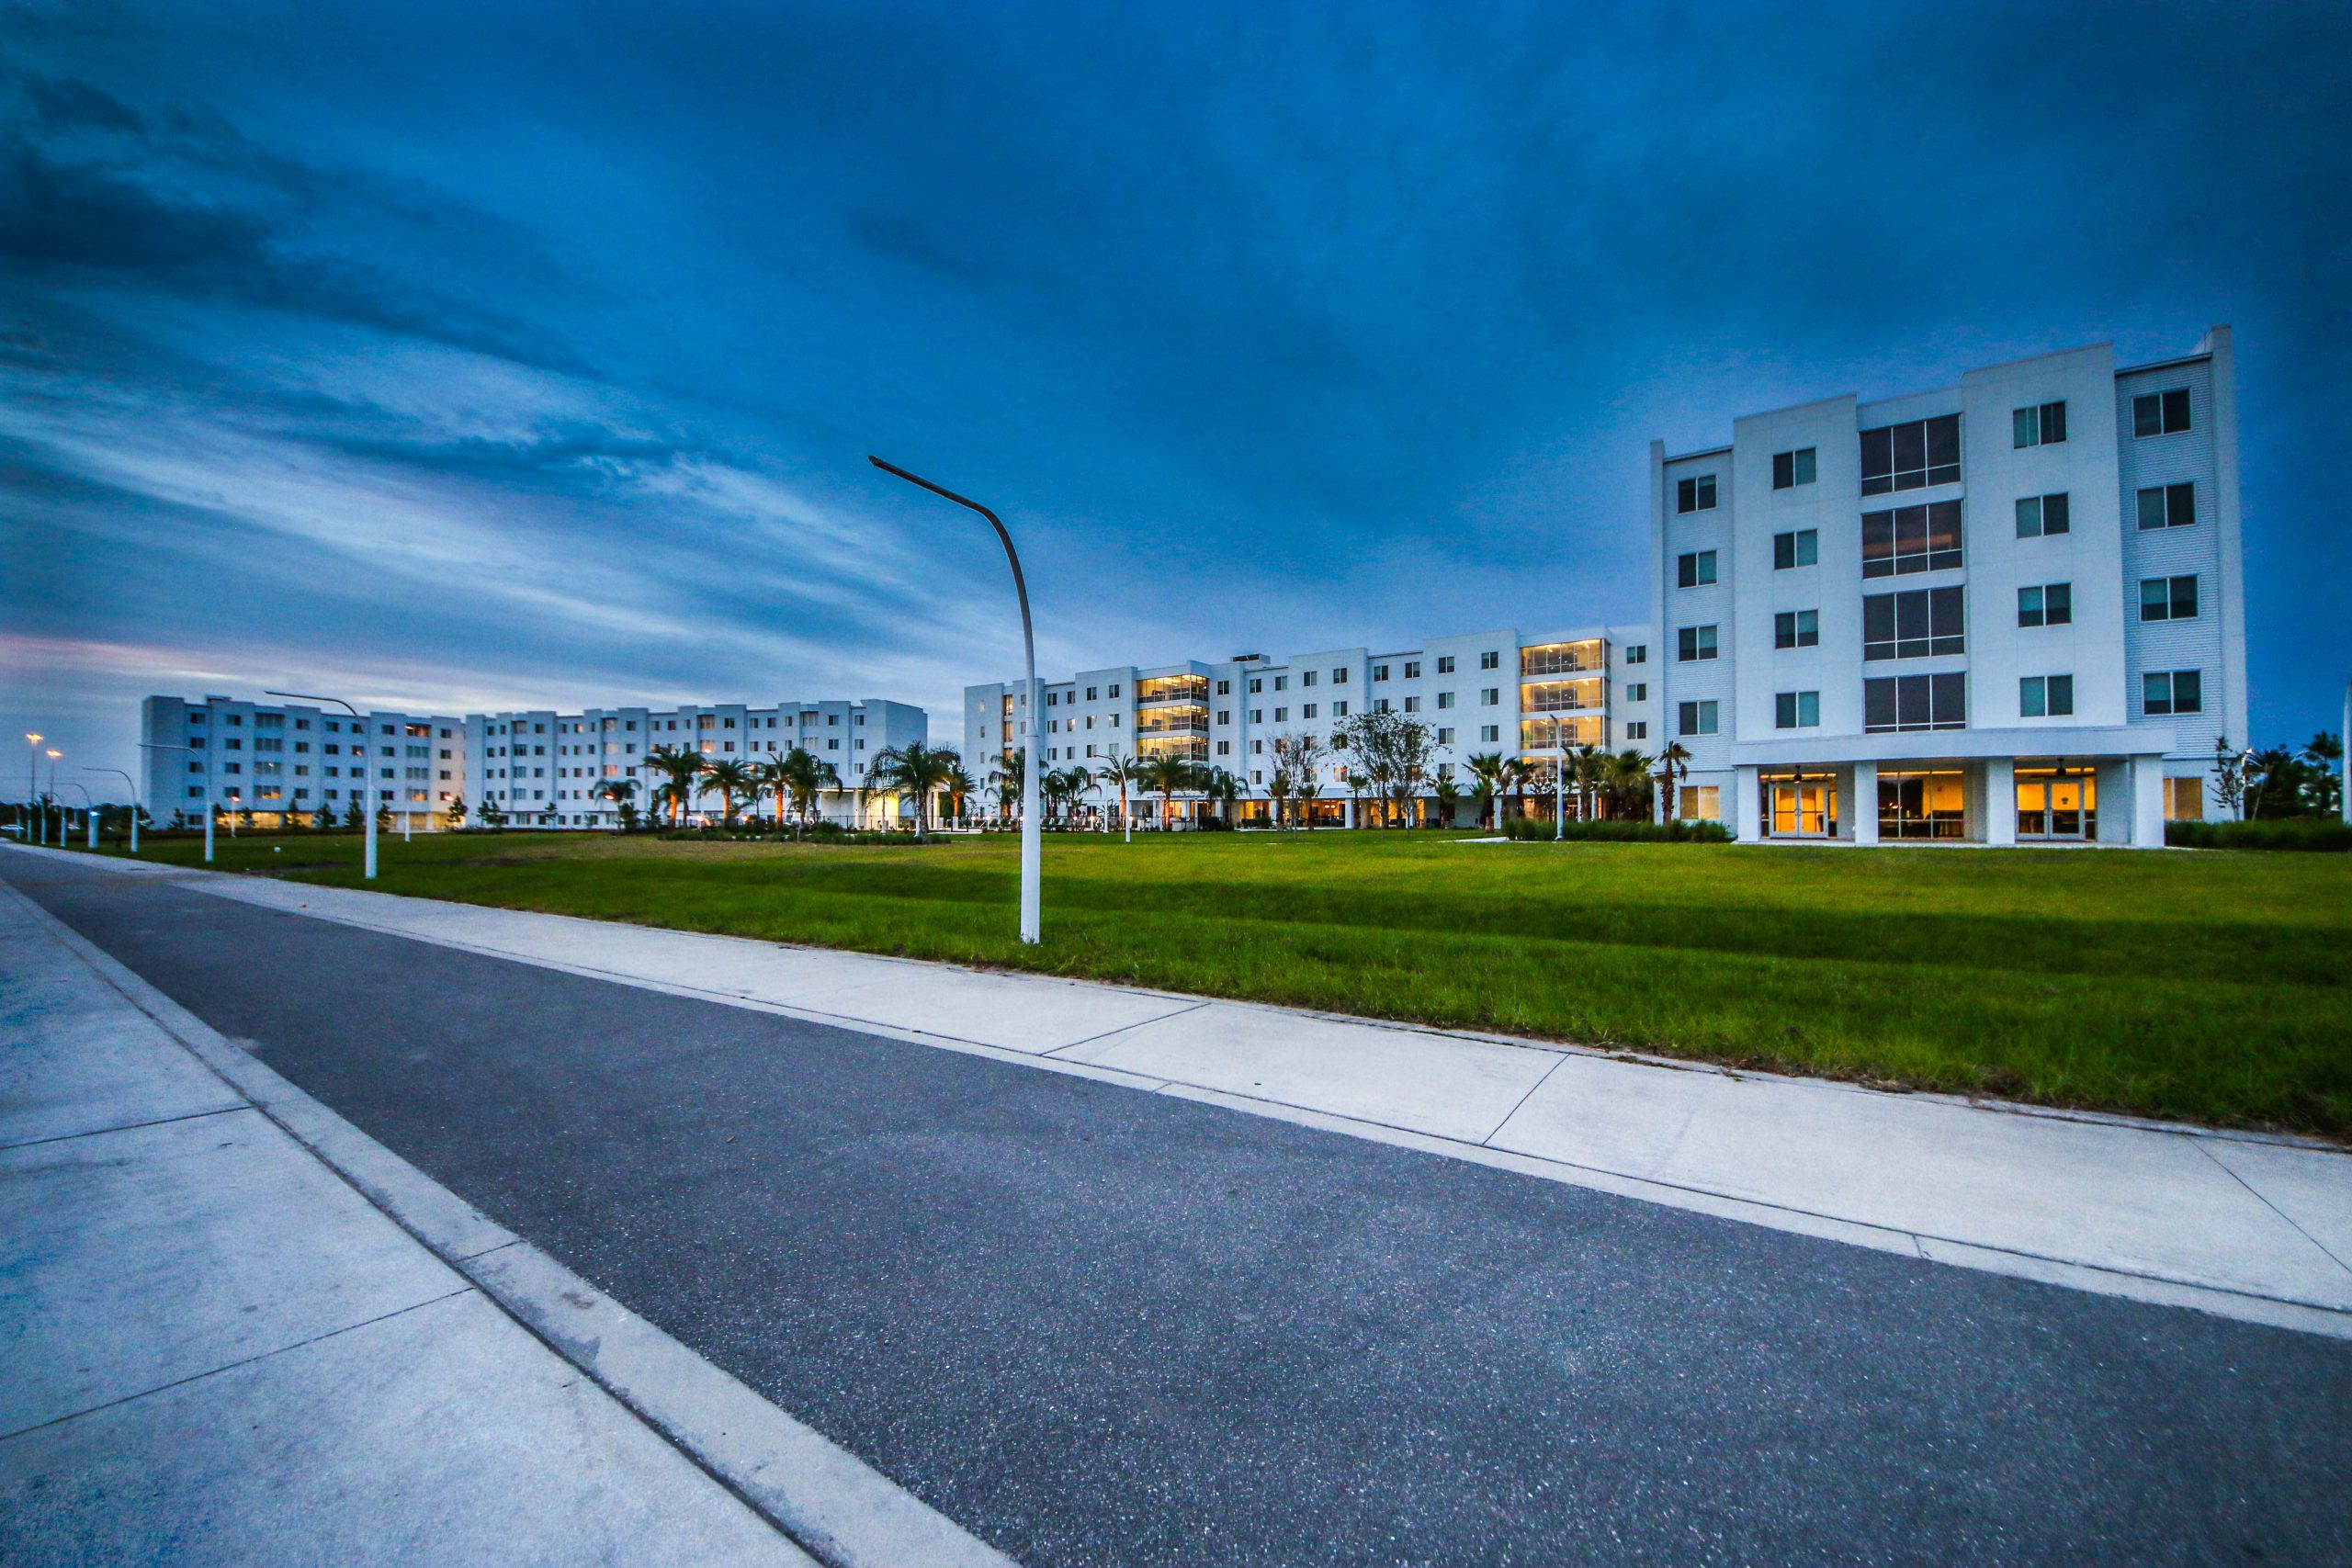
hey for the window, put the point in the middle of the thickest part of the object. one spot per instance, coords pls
(1915, 625)
(1338, 710)
(1380, 671)
(1695, 570)
(1282, 683)
(1308, 710)
(1793, 468)
(2044, 426)
(2168, 506)
(1911, 538)
(1445, 664)
(1911, 457)
(1638, 729)
(1797, 628)
(2160, 413)
(1257, 715)
(1445, 699)
(2039, 514)
(2177, 691)
(1258, 684)
(1491, 660)
(1702, 803)
(1490, 732)
(1694, 643)
(2168, 598)
(1489, 695)
(1916, 702)
(2046, 696)
(1445, 737)
(1412, 705)
(1380, 705)
(2183, 798)
(1796, 710)
(1635, 653)
(1695, 494)
(1638, 691)
(1802, 548)
(1340, 676)
(2052, 604)
(1696, 718)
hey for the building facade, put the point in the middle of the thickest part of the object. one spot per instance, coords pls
(278, 761)
(543, 767)
(549, 768)
(2010, 611)
(1483, 692)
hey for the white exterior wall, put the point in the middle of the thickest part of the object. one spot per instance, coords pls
(2105, 648)
(270, 757)
(546, 767)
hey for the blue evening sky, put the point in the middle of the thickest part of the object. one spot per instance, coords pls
(495, 354)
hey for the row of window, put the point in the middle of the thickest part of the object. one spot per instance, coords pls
(1924, 452)
(1899, 703)
(1922, 623)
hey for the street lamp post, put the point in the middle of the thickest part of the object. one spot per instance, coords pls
(1559, 783)
(32, 775)
(367, 767)
(133, 785)
(53, 754)
(1032, 840)
(160, 746)
(89, 813)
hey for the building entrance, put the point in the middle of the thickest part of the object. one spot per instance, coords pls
(2057, 803)
(1797, 806)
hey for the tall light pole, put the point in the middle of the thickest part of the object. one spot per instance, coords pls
(89, 813)
(53, 755)
(160, 746)
(132, 785)
(366, 770)
(1559, 783)
(1032, 840)
(32, 775)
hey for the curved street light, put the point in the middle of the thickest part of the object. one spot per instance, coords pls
(133, 785)
(1032, 843)
(89, 813)
(366, 769)
(163, 746)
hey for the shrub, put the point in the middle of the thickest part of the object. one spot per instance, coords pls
(1626, 832)
(2270, 833)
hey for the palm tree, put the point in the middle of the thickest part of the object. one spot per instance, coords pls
(1448, 794)
(958, 789)
(1627, 779)
(1673, 762)
(1223, 788)
(1586, 764)
(1120, 771)
(915, 770)
(802, 776)
(1166, 774)
(681, 768)
(622, 792)
(732, 780)
(1488, 775)
(1518, 774)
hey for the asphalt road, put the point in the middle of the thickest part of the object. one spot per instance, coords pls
(1099, 1327)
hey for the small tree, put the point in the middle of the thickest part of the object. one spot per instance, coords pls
(493, 815)
(1298, 760)
(2228, 776)
(456, 812)
(1449, 794)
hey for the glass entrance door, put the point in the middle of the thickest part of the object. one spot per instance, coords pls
(2056, 804)
(1799, 808)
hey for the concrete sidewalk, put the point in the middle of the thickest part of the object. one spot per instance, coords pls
(2248, 1226)
(215, 1350)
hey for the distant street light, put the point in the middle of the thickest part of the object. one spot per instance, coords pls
(32, 775)
(132, 785)
(366, 767)
(1032, 842)
(53, 754)
(160, 746)
(89, 813)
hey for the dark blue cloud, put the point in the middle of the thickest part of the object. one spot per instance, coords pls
(1329, 322)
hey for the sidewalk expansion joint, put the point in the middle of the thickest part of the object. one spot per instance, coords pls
(130, 1126)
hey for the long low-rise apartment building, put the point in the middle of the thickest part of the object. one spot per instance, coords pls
(552, 767)
(292, 759)
(2008, 611)
(1495, 692)
(544, 767)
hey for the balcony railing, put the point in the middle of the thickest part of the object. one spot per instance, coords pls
(1172, 724)
(1174, 689)
(1560, 658)
(1557, 702)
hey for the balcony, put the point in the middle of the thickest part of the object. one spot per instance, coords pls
(1563, 658)
(1563, 697)
(1173, 689)
(1177, 723)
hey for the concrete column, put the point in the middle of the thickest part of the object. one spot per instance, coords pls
(1863, 812)
(1349, 816)
(2147, 803)
(2000, 805)
(1747, 805)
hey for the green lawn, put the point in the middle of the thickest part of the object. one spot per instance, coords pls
(2211, 987)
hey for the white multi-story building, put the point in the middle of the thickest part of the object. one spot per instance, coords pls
(548, 767)
(1493, 691)
(2009, 610)
(276, 759)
